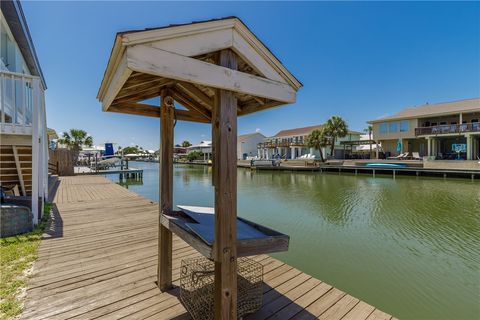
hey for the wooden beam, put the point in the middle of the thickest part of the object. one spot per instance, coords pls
(254, 58)
(199, 95)
(19, 170)
(138, 88)
(225, 172)
(143, 58)
(197, 44)
(144, 93)
(192, 105)
(166, 190)
(255, 107)
(119, 78)
(146, 110)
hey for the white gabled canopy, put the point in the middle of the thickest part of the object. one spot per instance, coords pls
(182, 58)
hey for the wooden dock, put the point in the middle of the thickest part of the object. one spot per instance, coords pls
(98, 259)
(124, 173)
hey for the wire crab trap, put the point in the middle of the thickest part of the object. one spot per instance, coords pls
(197, 287)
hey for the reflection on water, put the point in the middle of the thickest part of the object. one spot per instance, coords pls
(410, 246)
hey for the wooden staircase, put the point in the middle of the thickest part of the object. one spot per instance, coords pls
(16, 168)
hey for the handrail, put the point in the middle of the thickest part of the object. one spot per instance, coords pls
(448, 129)
(18, 74)
(17, 101)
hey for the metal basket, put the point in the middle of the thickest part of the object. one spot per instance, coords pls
(197, 287)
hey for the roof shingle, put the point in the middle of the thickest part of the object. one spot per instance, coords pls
(426, 110)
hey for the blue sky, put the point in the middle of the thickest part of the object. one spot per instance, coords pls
(360, 61)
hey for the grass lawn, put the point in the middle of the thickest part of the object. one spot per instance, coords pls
(17, 255)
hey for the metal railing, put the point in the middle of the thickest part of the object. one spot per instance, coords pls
(448, 129)
(278, 144)
(17, 94)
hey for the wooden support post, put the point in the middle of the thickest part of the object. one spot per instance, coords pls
(225, 181)
(19, 170)
(166, 191)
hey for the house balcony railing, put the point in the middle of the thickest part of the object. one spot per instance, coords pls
(448, 129)
(18, 94)
(280, 144)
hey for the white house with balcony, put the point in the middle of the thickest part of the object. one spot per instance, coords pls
(23, 134)
(291, 144)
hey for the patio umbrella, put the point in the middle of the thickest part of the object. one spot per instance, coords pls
(399, 145)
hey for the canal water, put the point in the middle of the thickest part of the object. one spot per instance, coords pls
(409, 246)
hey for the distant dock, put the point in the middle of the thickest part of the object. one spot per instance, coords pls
(130, 173)
(411, 168)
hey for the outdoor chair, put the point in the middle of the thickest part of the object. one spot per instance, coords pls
(399, 157)
(416, 156)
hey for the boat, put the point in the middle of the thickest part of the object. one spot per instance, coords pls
(386, 165)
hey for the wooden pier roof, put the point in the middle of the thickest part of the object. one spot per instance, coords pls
(98, 260)
(182, 59)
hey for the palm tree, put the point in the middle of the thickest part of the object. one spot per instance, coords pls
(335, 128)
(317, 139)
(75, 139)
(186, 144)
(369, 130)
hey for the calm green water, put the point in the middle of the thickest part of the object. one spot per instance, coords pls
(409, 246)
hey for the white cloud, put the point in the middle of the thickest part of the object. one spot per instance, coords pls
(257, 130)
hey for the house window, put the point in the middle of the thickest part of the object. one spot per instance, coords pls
(393, 127)
(7, 52)
(383, 128)
(404, 126)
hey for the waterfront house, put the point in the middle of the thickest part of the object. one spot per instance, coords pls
(178, 152)
(24, 141)
(247, 145)
(446, 131)
(204, 147)
(290, 144)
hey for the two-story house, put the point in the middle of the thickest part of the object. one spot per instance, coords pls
(291, 144)
(446, 131)
(23, 134)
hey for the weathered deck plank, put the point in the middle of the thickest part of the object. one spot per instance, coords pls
(98, 261)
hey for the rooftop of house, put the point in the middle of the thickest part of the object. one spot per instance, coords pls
(245, 137)
(298, 131)
(202, 144)
(304, 131)
(437, 109)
